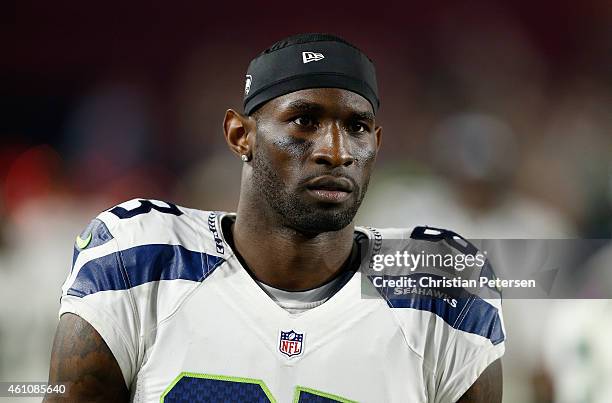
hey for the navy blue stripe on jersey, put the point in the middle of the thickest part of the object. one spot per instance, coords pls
(142, 264)
(471, 314)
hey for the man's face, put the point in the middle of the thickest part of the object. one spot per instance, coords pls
(313, 154)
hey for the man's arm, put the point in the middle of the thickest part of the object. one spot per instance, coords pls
(81, 358)
(487, 388)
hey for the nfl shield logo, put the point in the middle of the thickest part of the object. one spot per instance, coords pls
(290, 343)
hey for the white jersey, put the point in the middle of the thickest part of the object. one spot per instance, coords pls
(186, 322)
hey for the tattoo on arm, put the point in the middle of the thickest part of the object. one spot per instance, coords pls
(81, 358)
(487, 388)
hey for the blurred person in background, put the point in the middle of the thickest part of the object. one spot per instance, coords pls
(475, 157)
(576, 350)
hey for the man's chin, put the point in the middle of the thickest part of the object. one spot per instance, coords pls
(323, 220)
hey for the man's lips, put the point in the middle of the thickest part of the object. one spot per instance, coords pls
(330, 189)
(330, 183)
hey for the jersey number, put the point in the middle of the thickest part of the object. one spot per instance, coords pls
(191, 387)
(145, 207)
(452, 238)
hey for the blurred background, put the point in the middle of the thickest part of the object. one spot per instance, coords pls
(497, 124)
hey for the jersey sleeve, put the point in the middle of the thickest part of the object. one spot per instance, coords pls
(96, 290)
(478, 341)
(464, 324)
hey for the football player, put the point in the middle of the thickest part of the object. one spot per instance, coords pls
(167, 303)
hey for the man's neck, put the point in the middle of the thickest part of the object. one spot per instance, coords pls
(287, 259)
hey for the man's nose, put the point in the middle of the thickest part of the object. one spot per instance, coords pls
(333, 148)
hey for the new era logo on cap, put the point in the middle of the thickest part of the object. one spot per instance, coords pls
(247, 84)
(308, 57)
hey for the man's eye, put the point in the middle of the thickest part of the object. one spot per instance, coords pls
(305, 121)
(357, 127)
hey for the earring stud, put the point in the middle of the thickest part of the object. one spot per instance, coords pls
(244, 158)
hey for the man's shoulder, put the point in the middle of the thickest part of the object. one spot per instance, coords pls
(144, 240)
(142, 221)
(134, 265)
(145, 211)
(429, 256)
(432, 238)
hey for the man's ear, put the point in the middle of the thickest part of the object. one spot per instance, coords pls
(237, 128)
(378, 131)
